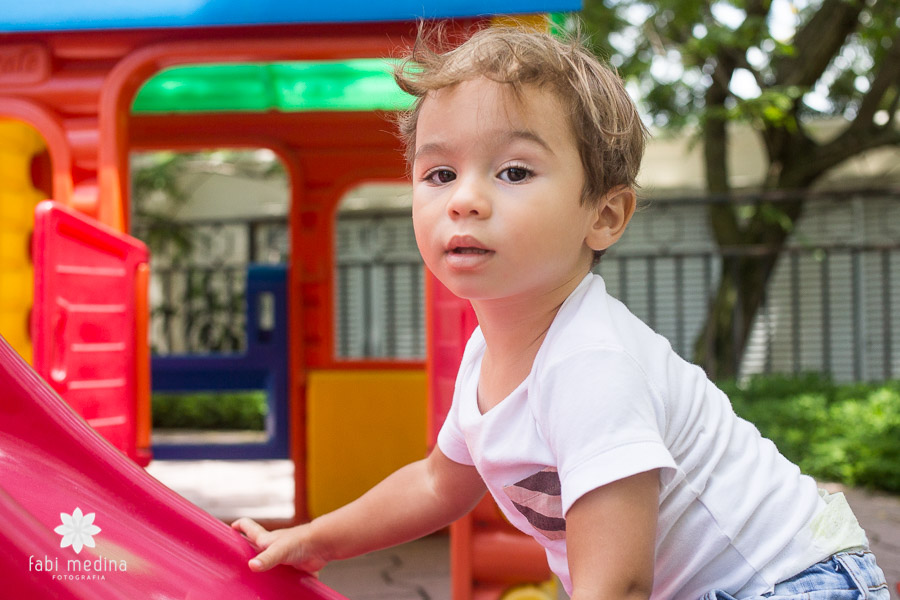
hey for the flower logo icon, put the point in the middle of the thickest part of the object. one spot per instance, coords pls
(77, 530)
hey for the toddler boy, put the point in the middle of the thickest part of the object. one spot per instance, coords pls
(624, 461)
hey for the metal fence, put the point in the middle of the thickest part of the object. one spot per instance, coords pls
(829, 307)
(830, 301)
(198, 280)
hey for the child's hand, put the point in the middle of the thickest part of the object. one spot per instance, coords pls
(290, 546)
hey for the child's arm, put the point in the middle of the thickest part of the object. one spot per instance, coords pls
(413, 501)
(611, 539)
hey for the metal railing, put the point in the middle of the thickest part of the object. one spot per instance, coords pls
(380, 310)
(827, 309)
(829, 306)
(829, 303)
(198, 280)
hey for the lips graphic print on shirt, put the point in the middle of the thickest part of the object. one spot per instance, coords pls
(538, 498)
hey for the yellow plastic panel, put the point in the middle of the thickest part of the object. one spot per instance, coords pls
(544, 591)
(361, 426)
(18, 144)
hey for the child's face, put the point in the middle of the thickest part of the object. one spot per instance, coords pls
(497, 183)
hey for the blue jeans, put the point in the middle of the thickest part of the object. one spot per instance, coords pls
(844, 576)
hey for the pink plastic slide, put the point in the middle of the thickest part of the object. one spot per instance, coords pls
(80, 520)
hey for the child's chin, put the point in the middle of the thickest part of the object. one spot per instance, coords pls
(462, 289)
(468, 291)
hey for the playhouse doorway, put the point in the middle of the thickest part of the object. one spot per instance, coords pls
(216, 222)
(323, 119)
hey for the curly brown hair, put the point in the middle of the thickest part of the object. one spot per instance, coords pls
(605, 122)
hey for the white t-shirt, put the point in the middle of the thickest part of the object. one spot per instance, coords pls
(608, 398)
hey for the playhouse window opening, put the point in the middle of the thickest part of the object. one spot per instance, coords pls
(379, 302)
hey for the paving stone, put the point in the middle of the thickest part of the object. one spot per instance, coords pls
(420, 570)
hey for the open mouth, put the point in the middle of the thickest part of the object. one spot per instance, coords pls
(468, 250)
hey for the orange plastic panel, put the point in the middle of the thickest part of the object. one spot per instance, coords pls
(143, 418)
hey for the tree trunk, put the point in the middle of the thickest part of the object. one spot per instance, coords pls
(748, 261)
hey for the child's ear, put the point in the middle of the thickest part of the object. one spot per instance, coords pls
(611, 215)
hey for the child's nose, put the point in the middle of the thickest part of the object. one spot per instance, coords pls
(469, 199)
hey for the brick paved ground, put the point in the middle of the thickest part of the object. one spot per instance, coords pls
(420, 570)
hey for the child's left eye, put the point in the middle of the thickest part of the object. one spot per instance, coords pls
(515, 174)
(439, 176)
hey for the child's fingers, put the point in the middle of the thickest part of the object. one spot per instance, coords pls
(267, 559)
(249, 528)
(272, 553)
(277, 547)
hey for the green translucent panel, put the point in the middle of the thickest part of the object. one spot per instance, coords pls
(362, 84)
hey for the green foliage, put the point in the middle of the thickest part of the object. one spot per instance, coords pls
(210, 410)
(777, 68)
(674, 49)
(156, 193)
(844, 433)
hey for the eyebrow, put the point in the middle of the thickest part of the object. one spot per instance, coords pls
(528, 135)
(428, 149)
(505, 138)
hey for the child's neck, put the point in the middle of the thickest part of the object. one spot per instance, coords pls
(513, 330)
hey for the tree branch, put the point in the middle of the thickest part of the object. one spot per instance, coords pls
(715, 150)
(723, 217)
(887, 76)
(757, 12)
(892, 109)
(818, 41)
(842, 148)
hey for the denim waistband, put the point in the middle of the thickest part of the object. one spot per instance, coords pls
(850, 575)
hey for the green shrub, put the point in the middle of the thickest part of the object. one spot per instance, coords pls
(210, 410)
(844, 433)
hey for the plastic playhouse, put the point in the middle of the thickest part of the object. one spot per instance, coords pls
(82, 85)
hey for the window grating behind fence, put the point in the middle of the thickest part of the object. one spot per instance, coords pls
(379, 288)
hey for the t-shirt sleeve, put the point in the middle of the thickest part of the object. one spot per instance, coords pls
(603, 420)
(450, 438)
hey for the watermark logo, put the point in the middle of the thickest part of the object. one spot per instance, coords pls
(77, 530)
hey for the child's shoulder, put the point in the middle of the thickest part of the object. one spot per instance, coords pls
(592, 318)
(592, 327)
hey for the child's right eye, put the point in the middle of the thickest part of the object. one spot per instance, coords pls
(440, 176)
